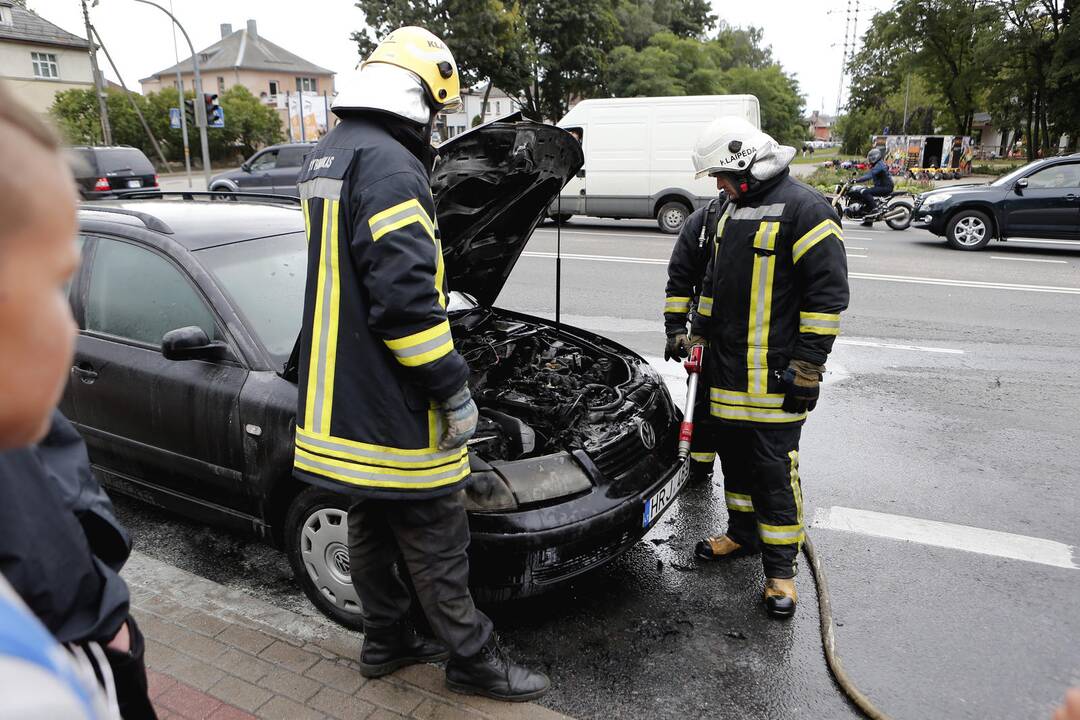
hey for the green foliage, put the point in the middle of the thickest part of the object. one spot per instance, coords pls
(825, 179)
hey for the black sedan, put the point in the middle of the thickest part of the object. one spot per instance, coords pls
(1040, 200)
(189, 306)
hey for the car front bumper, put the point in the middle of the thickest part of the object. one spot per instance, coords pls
(929, 218)
(507, 565)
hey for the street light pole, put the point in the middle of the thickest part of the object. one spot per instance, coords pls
(99, 90)
(200, 106)
(183, 114)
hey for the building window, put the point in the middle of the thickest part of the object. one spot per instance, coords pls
(306, 84)
(273, 87)
(44, 65)
(220, 84)
(5, 15)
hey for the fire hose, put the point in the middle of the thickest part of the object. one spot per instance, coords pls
(693, 365)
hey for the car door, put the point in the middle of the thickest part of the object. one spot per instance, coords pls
(1045, 204)
(173, 425)
(288, 168)
(259, 175)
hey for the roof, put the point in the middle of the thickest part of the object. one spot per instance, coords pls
(243, 51)
(27, 26)
(198, 224)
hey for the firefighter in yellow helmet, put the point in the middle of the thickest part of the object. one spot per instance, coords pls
(384, 408)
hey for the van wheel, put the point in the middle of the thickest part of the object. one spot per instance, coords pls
(671, 216)
(560, 219)
(317, 543)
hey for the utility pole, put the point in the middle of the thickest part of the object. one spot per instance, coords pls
(183, 115)
(907, 96)
(99, 90)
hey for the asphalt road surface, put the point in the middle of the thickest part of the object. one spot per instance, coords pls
(940, 474)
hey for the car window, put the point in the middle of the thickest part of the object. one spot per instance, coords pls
(264, 279)
(290, 157)
(266, 161)
(123, 160)
(138, 295)
(1056, 176)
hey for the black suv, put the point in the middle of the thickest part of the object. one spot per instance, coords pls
(104, 172)
(1040, 200)
(272, 170)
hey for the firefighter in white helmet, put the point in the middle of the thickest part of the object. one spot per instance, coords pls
(769, 311)
(384, 408)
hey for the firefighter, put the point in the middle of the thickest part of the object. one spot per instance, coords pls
(384, 408)
(770, 310)
(686, 270)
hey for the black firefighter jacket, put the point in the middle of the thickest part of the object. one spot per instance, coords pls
(686, 268)
(773, 292)
(375, 346)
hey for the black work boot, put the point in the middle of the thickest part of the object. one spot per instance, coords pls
(492, 674)
(392, 648)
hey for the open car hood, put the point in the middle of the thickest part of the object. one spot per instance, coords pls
(492, 186)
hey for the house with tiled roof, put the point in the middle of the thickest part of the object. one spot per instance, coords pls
(39, 59)
(244, 57)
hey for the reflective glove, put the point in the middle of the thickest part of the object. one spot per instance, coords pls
(459, 416)
(676, 346)
(801, 381)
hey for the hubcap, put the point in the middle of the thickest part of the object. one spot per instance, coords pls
(970, 231)
(325, 551)
(673, 218)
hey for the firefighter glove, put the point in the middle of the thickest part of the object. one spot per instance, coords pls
(801, 382)
(697, 340)
(459, 416)
(676, 346)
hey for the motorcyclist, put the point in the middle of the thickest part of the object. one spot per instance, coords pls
(879, 174)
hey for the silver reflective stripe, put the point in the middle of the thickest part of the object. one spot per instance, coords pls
(758, 369)
(396, 478)
(320, 187)
(759, 212)
(743, 503)
(820, 323)
(324, 328)
(732, 412)
(729, 398)
(375, 456)
(781, 536)
(427, 345)
(409, 211)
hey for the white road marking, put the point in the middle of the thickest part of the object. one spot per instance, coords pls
(852, 247)
(601, 233)
(1001, 257)
(896, 346)
(947, 535)
(611, 258)
(967, 283)
(856, 256)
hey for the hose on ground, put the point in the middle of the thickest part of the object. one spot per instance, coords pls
(828, 638)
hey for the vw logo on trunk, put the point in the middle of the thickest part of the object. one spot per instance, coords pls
(648, 436)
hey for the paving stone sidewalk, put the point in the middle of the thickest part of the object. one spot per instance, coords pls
(219, 654)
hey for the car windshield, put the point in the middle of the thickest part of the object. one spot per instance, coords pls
(1014, 175)
(264, 279)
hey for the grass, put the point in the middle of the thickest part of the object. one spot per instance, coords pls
(820, 156)
(826, 179)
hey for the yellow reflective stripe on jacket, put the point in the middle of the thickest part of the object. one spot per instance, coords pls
(704, 306)
(423, 347)
(398, 216)
(819, 323)
(760, 315)
(732, 397)
(679, 305)
(706, 457)
(371, 476)
(739, 502)
(818, 233)
(780, 534)
(366, 453)
(320, 389)
(749, 413)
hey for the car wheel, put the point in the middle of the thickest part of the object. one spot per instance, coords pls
(968, 230)
(898, 216)
(671, 216)
(221, 189)
(560, 219)
(316, 536)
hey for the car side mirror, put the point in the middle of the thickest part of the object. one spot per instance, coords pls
(1020, 185)
(191, 343)
(581, 173)
(246, 167)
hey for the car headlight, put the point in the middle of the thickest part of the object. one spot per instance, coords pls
(935, 199)
(487, 492)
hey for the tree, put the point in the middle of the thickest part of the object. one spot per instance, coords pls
(1064, 104)
(249, 125)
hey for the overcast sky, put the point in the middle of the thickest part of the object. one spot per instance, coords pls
(806, 37)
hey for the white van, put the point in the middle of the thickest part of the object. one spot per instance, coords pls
(637, 156)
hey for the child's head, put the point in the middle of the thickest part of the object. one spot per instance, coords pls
(37, 258)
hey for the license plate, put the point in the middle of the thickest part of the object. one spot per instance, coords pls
(656, 505)
(134, 183)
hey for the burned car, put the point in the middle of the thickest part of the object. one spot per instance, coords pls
(189, 304)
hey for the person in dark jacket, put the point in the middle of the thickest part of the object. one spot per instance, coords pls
(879, 174)
(770, 310)
(384, 407)
(686, 271)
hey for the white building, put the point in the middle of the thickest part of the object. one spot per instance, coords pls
(498, 105)
(39, 59)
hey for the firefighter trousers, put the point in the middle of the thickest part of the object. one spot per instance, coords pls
(763, 492)
(431, 536)
(703, 442)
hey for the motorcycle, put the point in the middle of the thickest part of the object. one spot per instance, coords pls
(896, 213)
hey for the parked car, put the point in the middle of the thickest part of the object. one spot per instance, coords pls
(189, 306)
(105, 171)
(272, 170)
(1040, 200)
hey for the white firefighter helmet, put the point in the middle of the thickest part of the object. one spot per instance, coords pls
(733, 145)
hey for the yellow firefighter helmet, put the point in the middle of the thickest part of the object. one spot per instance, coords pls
(422, 53)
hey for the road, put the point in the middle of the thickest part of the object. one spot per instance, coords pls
(940, 480)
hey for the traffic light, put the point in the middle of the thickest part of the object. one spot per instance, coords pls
(215, 117)
(189, 111)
